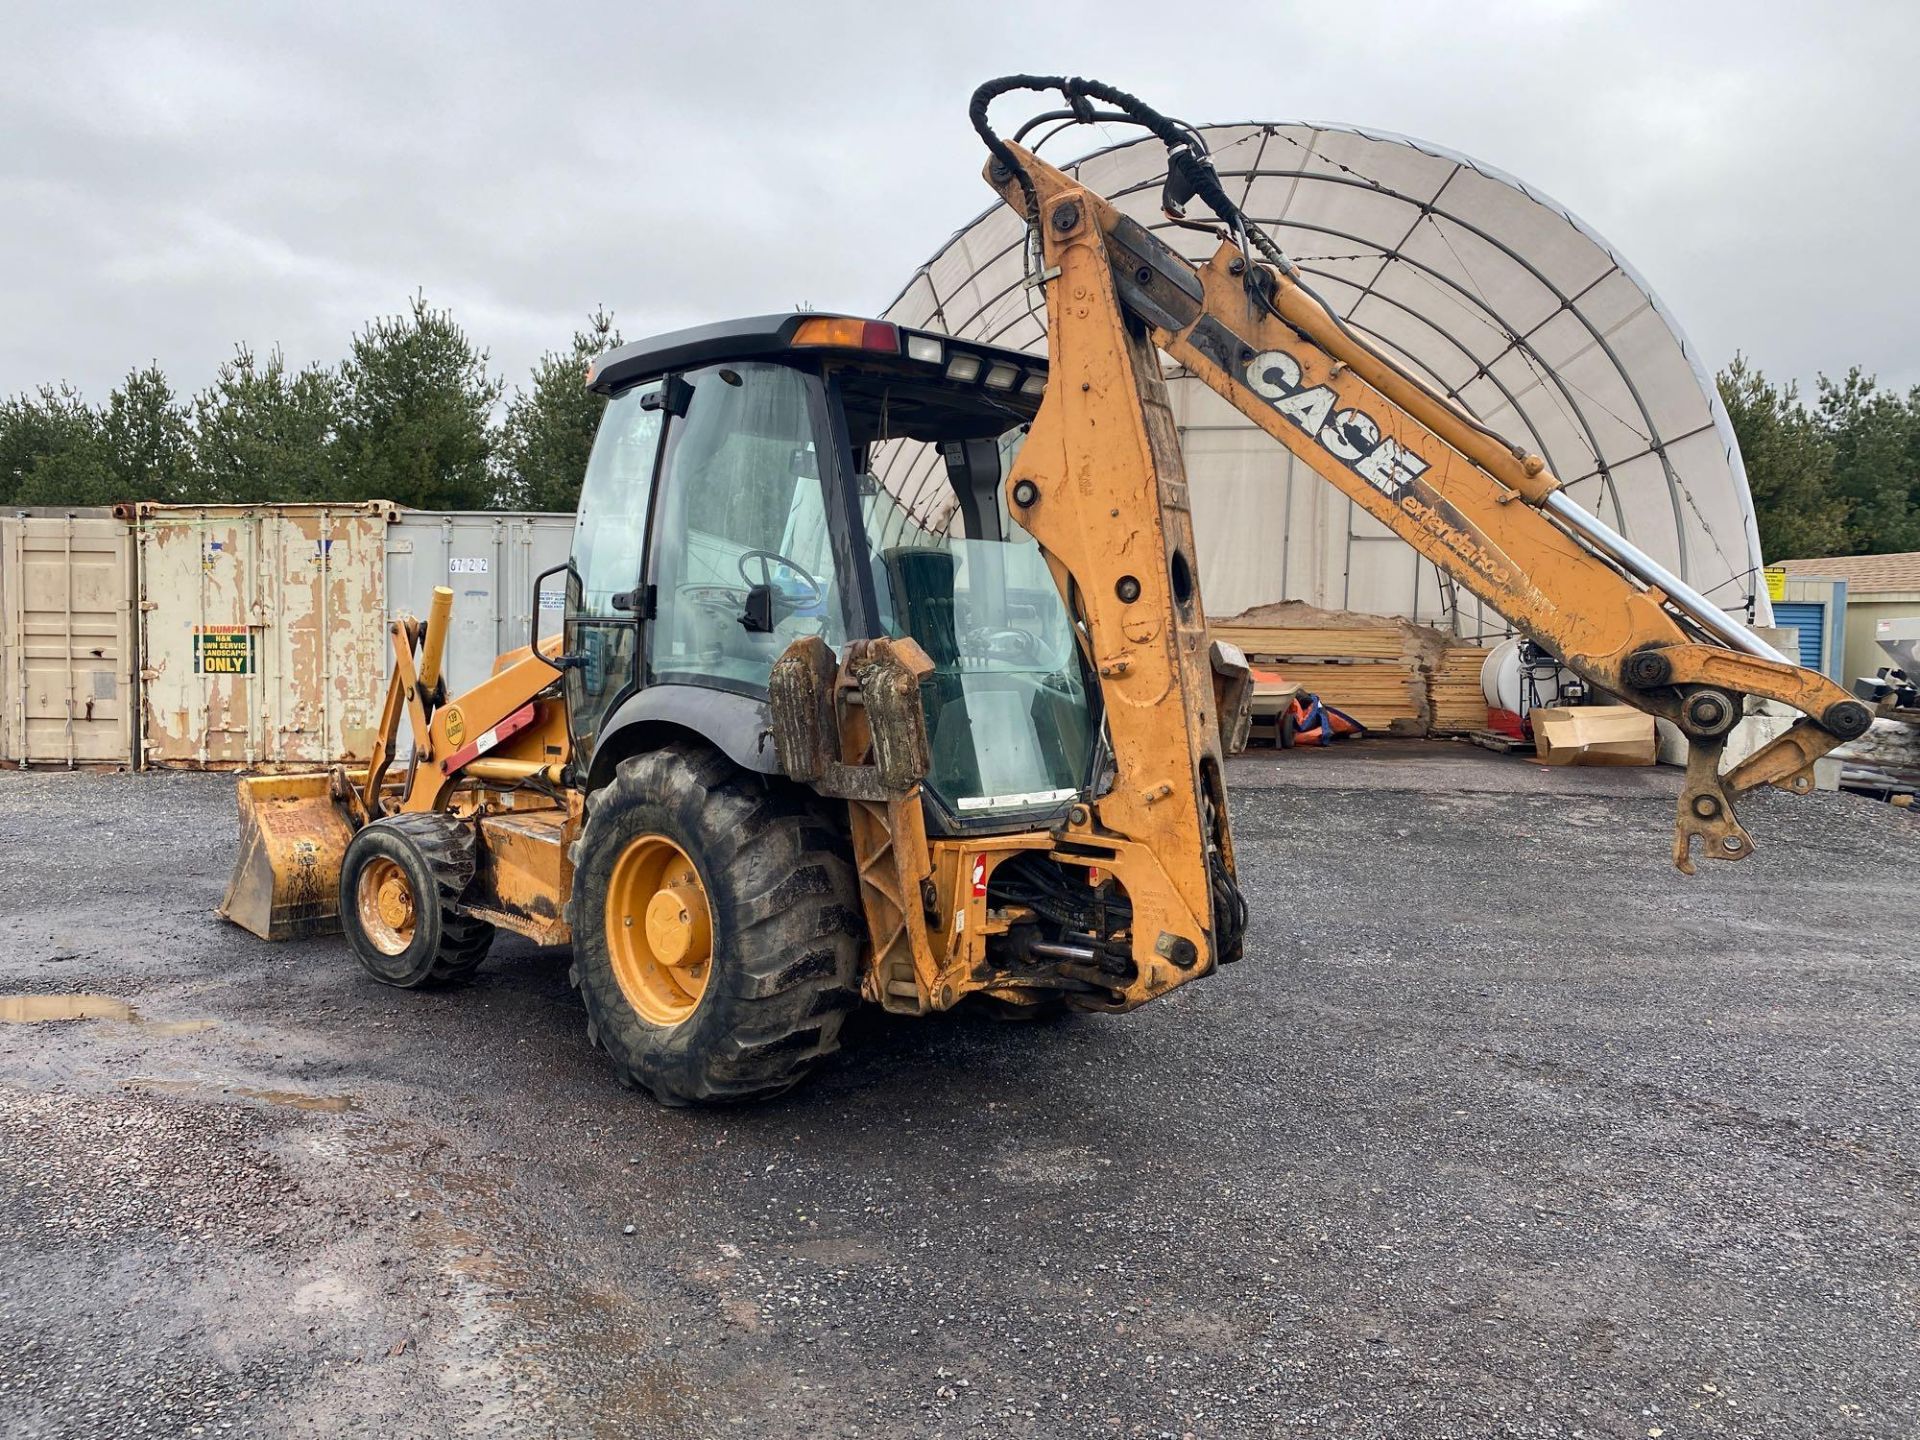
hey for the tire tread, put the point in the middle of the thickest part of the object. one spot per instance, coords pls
(789, 976)
(446, 844)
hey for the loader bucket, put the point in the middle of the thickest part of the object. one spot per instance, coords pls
(286, 881)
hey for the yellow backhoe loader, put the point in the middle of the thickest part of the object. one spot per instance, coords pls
(799, 745)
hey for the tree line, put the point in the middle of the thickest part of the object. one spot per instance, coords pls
(412, 414)
(1838, 476)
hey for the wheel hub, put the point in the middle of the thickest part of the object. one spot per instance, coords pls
(396, 904)
(677, 923)
(384, 899)
(659, 930)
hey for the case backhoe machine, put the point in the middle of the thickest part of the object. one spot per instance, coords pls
(798, 746)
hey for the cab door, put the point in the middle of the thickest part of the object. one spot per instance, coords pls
(745, 558)
(605, 591)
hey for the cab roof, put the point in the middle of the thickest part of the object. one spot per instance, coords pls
(765, 336)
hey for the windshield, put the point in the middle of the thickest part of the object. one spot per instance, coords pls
(1007, 705)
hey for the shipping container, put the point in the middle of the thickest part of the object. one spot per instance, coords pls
(488, 559)
(263, 636)
(68, 663)
(230, 636)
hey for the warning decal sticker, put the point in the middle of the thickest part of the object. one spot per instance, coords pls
(222, 650)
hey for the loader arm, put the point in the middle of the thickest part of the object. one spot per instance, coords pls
(1102, 482)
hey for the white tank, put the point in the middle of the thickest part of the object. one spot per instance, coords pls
(1511, 683)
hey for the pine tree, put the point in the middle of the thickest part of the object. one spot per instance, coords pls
(53, 451)
(415, 414)
(1875, 435)
(550, 425)
(1789, 462)
(264, 434)
(148, 432)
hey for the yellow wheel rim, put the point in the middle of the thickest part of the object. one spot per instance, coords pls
(383, 898)
(659, 930)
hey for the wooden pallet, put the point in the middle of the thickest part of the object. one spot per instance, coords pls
(1494, 740)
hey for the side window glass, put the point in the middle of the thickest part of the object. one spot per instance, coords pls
(609, 541)
(743, 561)
(610, 529)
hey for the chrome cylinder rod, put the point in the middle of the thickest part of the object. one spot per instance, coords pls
(1649, 571)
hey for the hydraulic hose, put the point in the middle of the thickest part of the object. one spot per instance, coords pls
(1188, 160)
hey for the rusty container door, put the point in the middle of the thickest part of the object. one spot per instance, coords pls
(263, 640)
(67, 633)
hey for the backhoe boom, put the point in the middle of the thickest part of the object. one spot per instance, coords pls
(1491, 516)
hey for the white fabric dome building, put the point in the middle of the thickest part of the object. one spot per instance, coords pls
(1495, 294)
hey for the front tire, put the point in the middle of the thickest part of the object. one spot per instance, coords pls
(716, 928)
(400, 880)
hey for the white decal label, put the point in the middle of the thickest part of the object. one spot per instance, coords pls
(1031, 797)
(1351, 436)
(1354, 438)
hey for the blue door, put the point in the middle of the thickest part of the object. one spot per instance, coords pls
(1809, 618)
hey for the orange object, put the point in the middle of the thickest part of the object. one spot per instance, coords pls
(843, 332)
(1487, 513)
(1311, 721)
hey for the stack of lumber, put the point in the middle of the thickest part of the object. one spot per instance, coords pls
(1389, 674)
(1367, 665)
(1383, 695)
(1455, 702)
(1299, 642)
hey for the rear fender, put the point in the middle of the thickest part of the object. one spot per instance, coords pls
(738, 726)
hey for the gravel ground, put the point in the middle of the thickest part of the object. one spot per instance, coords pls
(1503, 1128)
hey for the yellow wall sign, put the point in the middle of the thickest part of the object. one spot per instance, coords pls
(222, 650)
(1776, 582)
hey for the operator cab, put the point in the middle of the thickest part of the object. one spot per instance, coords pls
(793, 475)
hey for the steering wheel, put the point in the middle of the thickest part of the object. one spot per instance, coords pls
(768, 559)
(1015, 646)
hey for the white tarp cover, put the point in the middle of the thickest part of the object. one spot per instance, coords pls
(1493, 293)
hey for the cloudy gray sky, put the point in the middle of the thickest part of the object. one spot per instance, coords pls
(176, 178)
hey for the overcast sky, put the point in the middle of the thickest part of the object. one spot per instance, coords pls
(175, 178)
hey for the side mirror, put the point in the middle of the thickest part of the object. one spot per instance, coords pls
(533, 629)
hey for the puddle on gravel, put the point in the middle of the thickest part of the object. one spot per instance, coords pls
(36, 1009)
(291, 1099)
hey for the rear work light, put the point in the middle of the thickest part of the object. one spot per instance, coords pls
(843, 333)
(1034, 385)
(1001, 377)
(964, 368)
(923, 347)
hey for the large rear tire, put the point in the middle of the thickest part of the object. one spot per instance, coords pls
(400, 880)
(716, 928)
